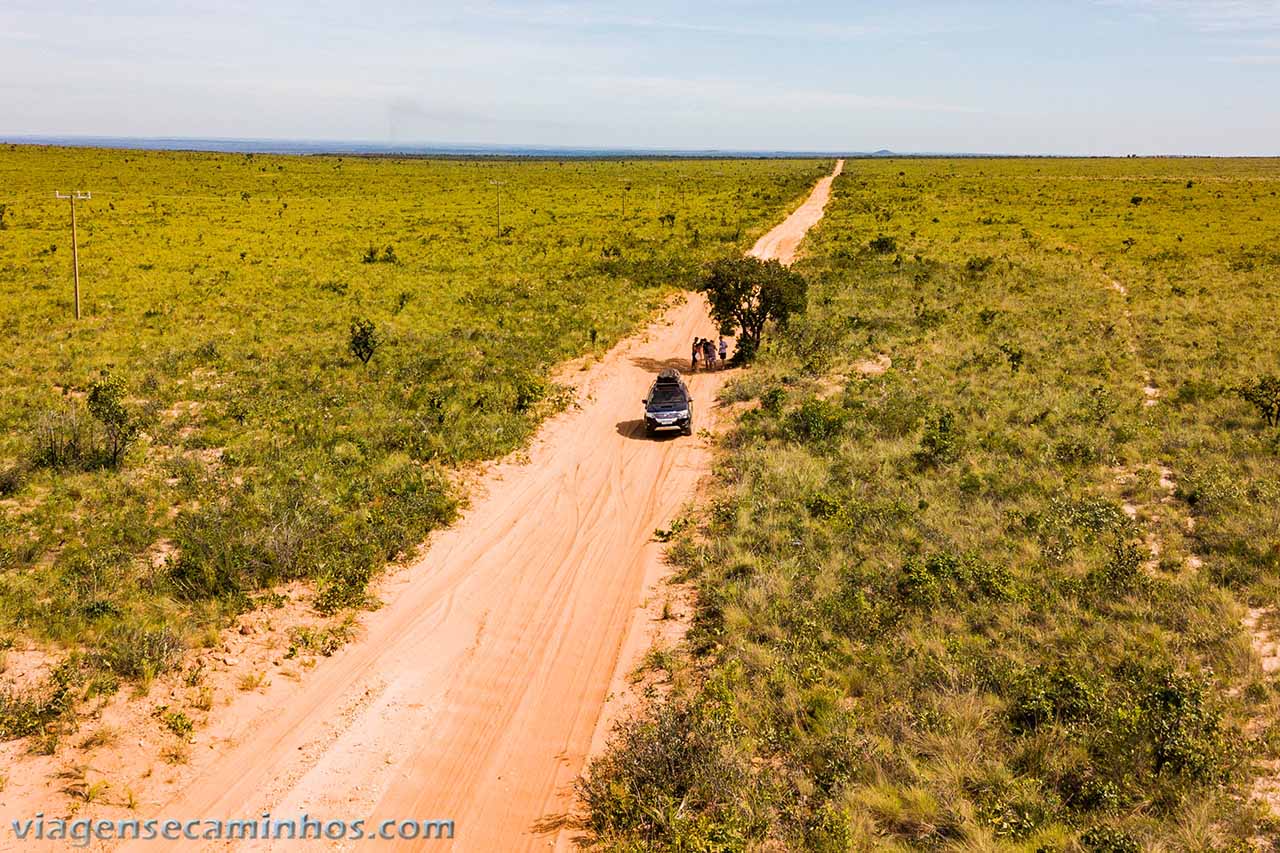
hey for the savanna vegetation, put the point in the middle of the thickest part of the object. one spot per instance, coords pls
(974, 569)
(280, 360)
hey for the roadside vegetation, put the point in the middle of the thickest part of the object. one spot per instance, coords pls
(974, 568)
(746, 294)
(281, 361)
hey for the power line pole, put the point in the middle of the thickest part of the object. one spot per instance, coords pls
(626, 188)
(498, 186)
(75, 243)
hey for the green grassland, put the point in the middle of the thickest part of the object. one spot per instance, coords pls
(220, 289)
(952, 606)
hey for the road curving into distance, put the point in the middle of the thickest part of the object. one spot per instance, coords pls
(476, 694)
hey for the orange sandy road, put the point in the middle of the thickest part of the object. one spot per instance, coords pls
(477, 693)
(782, 242)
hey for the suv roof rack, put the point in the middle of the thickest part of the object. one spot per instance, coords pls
(668, 376)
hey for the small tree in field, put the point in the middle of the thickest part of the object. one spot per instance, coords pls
(1264, 394)
(747, 293)
(364, 339)
(106, 404)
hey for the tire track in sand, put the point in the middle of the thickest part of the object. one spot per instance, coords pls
(477, 692)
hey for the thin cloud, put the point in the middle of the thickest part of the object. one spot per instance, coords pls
(1254, 59)
(580, 15)
(1249, 28)
(698, 93)
(1210, 16)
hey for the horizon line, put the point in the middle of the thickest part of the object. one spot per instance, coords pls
(320, 147)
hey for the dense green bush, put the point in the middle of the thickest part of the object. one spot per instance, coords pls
(664, 783)
(40, 711)
(884, 245)
(129, 651)
(13, 478)
(343, 579)
(941, 441)
(363, 339)
(978, 265)
(1106, 839)
(215, 557)
(387, 255)
(816, 420)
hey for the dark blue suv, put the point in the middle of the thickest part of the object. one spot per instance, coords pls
(668, 405)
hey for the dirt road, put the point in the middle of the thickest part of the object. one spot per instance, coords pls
(781, 243)
(476, 694)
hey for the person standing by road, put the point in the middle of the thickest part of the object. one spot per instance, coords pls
(693, 361)
(724, 350)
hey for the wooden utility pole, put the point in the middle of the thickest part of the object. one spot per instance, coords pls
(75, 243)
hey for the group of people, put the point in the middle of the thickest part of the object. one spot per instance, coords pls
(709, 353)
